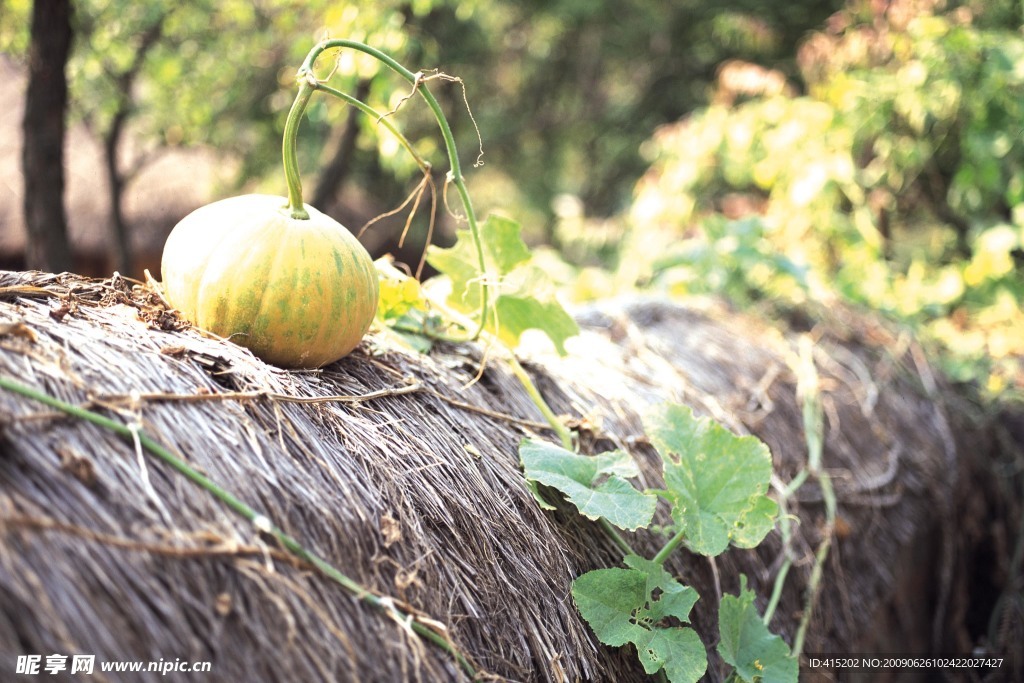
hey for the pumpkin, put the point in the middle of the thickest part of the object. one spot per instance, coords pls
(299, 293)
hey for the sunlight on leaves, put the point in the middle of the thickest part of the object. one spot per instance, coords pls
(402, 308)
(524, 299)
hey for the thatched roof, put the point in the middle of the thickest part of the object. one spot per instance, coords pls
(416, 492)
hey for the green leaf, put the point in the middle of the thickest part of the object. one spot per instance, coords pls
(504, 247)
(516, 314)
(746, 643)
(406, 329)
(621, 607)
(674, 599)
(678, 650)
(399, 293)
(594, 484)
(521, 298)
(459, 263)
(716, 480)
(608, 599)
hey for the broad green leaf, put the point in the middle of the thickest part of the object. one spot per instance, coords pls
(608, 599)
(678, 650)
(674, 599)
(521, 297)
(621, 607)
(516, 314)
(459, 262)
(504, 248)
(746, 643)
(594, 484)
(716, 480)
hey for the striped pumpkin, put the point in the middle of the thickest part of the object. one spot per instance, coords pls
(298, 293)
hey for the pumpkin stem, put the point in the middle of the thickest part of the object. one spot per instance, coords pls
(307, 84)
(455, 172)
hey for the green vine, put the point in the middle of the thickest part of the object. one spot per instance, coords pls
(496, 236)
(296, 206)
(308, 83)
(716, 487)
(814, 433)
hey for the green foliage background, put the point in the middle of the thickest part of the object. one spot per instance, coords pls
(811, 151)
(896, 182)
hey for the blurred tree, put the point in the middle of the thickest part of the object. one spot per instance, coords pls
(564, 92)
(573, 88)
(136, 72)
(896, 182)
(333, 174)
(43, 126)
(119, 108)
(934, 101)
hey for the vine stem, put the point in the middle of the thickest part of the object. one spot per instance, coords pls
(296, 206)
(785, 529)
(260, 521)
(520, 373)
(814, 582)
(380, 118)
(808, 388)
(564, 435)
(670, 547)
(307, 80)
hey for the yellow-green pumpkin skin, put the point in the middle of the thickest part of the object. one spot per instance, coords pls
(298, 293)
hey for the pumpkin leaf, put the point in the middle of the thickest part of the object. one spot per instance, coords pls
(756, 653)
(595, 484)
(399, 293)
(607, 599)
(679, 651)
(522, 297)
(633, 606)
(674, 599)
(716, 480)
